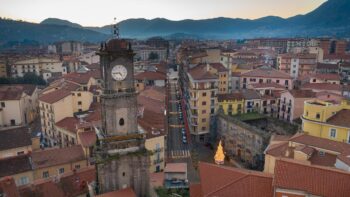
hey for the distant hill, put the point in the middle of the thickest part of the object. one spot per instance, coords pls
(56, 21)
(11, 30)
(330, 19)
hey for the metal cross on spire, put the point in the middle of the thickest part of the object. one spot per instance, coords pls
(115, 29)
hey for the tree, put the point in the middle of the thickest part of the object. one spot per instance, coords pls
(28, 78)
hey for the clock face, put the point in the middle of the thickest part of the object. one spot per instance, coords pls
(119, 72)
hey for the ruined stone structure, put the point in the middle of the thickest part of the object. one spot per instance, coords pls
(121, 158)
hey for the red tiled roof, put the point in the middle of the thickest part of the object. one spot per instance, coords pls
(341, 118)
(232, 96)
(302, 93)
(150, 75)
(15, 165)
(82, 78)
(326, 76)
(57, 156)
(322, 86)
(327, 66)
(175, 167)
(63, 84)
(195, 190)
(15, 138)
(226, 182)
(87, 138)
(69, 124)
(266, 72)
(14, 92)
(54, 96)
(200, 72)
(219, 67)
(8, 187)
(127, 192)
(69, 185)
(320, 181)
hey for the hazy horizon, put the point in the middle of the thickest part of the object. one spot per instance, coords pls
(100, 13)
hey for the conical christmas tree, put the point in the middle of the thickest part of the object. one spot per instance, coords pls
(219, 156)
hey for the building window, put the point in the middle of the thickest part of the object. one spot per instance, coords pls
(204, 111)
(79, 102)
(13, 122)
(318, 116)
(204, 128)
(79, 94)
(204, 119)
(2, 104)
(121, 122)
(46, 174)
(123, 173)
(23, 180)
(204, 103)
(77, 166)
(61, 171)
(204, 94)
(333, 133)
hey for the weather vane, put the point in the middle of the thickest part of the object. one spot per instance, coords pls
(115, 29)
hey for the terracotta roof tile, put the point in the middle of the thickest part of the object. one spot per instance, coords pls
(175, 167)
(87, 138)
(266, 72)
(326, 76)
(341, 118)
(302, 93)
(322, 86)
(200, 72)
(227, 181)
(15, 165)
(69, 185)
(327, 66)
(54, 96)
(57, 156)
(69, 124)
(8, 187)
(232, 96)
(15, 138)
(320, 181)
(196, 190)
(150, 75)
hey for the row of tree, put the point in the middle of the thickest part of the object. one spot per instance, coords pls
(28, 78)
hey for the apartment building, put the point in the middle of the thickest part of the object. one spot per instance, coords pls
(18, 105)
(327, 120)
(297, 64)
(153, 122)
(266, 74)
(292, 103)
(200, 89)
(45, 67)
(17, 141)
(309, 149)
(232, 103)
(325, 78)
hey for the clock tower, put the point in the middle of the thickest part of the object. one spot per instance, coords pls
(121, 158)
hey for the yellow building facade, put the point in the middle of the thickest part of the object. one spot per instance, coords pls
(327, 120)
(231, 104)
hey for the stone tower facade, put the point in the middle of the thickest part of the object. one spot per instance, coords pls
(121, 158)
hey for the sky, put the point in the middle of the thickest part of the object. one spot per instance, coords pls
(102, 12)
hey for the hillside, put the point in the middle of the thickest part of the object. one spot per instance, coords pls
(330, 19)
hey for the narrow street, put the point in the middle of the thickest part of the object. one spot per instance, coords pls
(176, 147)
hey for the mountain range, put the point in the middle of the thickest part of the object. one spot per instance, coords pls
(332, 19)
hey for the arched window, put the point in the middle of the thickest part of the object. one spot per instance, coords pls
(121, 122)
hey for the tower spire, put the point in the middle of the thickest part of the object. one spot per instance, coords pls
(115, 29)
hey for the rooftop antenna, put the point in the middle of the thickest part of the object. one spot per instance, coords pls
(115, 29)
